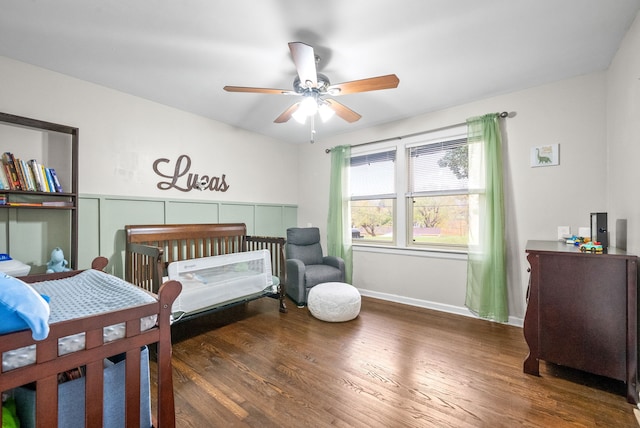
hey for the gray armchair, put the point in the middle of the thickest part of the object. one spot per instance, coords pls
(306, 266)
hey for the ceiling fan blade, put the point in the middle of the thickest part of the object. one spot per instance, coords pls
(259, 90)
(371, 84)
(305, 61)
(286, 115)
(343, 111)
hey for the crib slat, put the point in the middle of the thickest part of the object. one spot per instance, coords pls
(132, 392)
(94, 394)
(47, 401)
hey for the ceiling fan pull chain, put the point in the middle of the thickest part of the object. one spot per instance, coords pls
(313, 130)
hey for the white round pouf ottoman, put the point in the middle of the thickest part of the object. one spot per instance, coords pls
(334, 301)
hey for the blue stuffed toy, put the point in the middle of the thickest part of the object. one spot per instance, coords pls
(57, 262)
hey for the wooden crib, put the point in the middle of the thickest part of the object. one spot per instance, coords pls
(150, 249)
(48, 365)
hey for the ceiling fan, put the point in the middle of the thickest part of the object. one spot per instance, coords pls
(313, 87)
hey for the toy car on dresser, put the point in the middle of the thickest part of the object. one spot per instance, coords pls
(592, 247)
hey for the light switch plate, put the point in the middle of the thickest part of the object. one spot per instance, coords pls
(564, 232)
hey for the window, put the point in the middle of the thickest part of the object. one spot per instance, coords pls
(438, 196)
(431, 173)
(373, 196)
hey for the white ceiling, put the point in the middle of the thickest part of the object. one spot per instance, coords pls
(445, 52)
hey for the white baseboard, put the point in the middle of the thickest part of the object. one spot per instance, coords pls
(458, 310)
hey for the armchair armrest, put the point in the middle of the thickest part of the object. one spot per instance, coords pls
(336, 262)
(295, 272)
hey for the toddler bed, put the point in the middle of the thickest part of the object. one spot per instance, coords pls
(213, 250)
(94, 317)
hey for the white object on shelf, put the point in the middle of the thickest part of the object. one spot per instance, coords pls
(14, 268)
(564, 232)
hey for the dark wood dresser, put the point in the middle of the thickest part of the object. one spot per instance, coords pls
(582, 311)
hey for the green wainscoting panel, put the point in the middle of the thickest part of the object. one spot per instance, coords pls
(290, 217)
(269, 221)
(88, 224)
(118, 213)
(238, 213)
(31, 239)
(179, 212)
(102, 220)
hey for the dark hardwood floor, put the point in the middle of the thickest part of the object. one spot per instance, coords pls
(393, 366)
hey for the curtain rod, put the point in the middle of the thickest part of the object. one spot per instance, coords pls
(502, 115)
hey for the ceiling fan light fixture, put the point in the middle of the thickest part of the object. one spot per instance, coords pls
(325, 111)
(309, 105)
(299, 116)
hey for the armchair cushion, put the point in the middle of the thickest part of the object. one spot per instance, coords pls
(316, 274)
(304, 244)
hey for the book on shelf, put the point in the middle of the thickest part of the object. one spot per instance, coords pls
(3, 201)
(12, 173)
(3, 179)
(28, 183)
(23, 183)
(18, 174)
(35, 171)
(45, 182)
(57, 203)
(50, 185)
(23, 204)
(16, 163)
(56, 182)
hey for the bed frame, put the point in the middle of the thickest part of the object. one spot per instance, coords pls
(44, 372)
(150, 249)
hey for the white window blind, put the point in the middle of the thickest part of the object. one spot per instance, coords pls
(439, 168)
(372, 175)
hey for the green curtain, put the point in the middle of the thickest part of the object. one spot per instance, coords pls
(486, 269)
(339, 223)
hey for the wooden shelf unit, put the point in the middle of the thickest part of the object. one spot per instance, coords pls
(55, 146)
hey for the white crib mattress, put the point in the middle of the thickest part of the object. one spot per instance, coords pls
(89, 293)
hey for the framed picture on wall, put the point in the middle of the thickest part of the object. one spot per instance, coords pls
(545, 155)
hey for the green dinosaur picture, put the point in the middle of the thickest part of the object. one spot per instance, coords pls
(545, 155)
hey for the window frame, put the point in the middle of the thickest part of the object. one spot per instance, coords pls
(378, 196)
(402, 229)
(454, 136)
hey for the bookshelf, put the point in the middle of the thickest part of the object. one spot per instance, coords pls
(35, 219)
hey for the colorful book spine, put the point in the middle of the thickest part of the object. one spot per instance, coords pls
(7, 175)
(45, 182)
(28, 179)
(50, 185)
(7, 159)
(3, 179)
(35, 171)
(23, 184)
(18, 174)
(56, 181)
